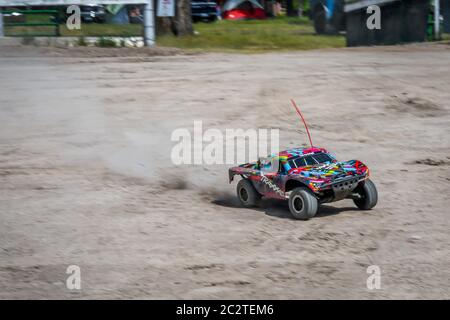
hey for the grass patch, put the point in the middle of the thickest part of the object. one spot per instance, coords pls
(105, 43)
(82, 42)
(251, 36)
(103, 30)
(446, 36)
(24, 31)
(254, 36)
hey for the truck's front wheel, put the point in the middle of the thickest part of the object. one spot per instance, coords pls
(303, 204)
(368, 196)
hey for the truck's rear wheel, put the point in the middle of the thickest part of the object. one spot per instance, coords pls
(368, 196)
(247, 194)
(303, 204)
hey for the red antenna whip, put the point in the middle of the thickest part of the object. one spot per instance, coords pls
(304, 122)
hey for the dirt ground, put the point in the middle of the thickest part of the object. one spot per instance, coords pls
(86, 177)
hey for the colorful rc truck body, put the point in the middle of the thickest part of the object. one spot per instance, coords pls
(306, 177)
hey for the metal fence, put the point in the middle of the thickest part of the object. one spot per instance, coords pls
(17, 23)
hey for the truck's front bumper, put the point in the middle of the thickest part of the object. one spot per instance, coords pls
(343, 187)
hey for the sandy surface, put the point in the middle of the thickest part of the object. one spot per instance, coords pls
(86, 177)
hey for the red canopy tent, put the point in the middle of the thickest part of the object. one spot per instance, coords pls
(243, 9)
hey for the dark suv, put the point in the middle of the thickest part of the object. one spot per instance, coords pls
(91, 13)
(203, 10)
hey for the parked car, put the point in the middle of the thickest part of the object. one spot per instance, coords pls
(14, 17)
(203, 10)
(92, 13)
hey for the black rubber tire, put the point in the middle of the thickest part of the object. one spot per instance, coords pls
(320, 21)
(303, 204)
(369, 196)
(247, 194)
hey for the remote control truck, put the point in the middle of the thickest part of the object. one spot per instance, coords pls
(306, 177)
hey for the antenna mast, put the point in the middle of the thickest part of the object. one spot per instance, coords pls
(304, 122)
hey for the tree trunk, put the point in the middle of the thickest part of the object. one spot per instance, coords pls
(290, 12)
(183, 19)
(163, 26)
(180, 25)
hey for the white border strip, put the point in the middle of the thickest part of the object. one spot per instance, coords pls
(16, 3)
